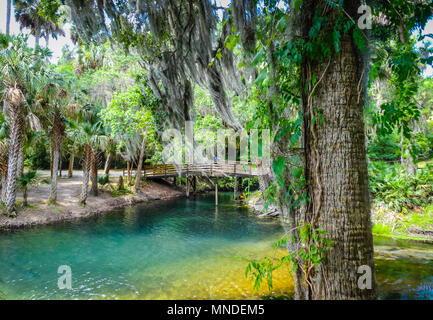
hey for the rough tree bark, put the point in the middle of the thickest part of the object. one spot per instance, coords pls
(53, 187)
(94, 173)
(20, 164)
(71, 165)
(336, 164)
(4, 154)
(4, 172)
(128, 169)
(4, 185)
(15, 103)
(140, 165)
(58, 131)
(25, 201)
(108, 162)
(51, 161)
(87, 159)
(60, 164)
(37, 36)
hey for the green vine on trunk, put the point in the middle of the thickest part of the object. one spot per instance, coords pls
(306, 253)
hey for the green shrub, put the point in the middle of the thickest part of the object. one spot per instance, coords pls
(384, 148)
(103, 180)
(392, 186)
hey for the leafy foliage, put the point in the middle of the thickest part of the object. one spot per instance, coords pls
(393, 187)
(308, 251)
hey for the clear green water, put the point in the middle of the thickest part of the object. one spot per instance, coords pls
(182, 249)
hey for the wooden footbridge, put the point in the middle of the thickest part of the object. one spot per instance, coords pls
(211, 170)
(215, 169)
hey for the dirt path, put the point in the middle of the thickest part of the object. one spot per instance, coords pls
(68, 208)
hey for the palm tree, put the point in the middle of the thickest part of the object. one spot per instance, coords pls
(25, 181)
(27, 13)
(89, 137)
(28, 180)
(20, 67)
(72, 147)
(51, 101)
(15, 106)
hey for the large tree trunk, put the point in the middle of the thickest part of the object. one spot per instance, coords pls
(108, 162)
(53, 189)
(87, 159)
(140, 166)
(94, 173)
(71, 165)
(8, 16)
(336, 164)
(15, 102)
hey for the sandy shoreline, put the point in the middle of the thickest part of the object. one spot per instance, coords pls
(68, 208)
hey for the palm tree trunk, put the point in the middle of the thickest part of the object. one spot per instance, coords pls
(86, 173)
(15, 105)
(51, 161)
(53, 190)
(25, 197)
(8, 16)
(108, 162)
(60, 165)
(20, 165)
(128, 168)
(139, 166)
(71, 165)
(4, 186)
(37, 36)
(94, 173)
(4, 173)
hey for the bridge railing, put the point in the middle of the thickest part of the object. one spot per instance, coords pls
(232, 168)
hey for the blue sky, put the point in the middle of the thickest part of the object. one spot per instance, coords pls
(56, 45)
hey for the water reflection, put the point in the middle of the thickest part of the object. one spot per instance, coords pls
(181, 249)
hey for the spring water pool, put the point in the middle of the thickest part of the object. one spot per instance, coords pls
(180, 249)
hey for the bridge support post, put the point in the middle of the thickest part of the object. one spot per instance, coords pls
(236, 189)
(194, 184)
(216, 192)
(187, 186)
